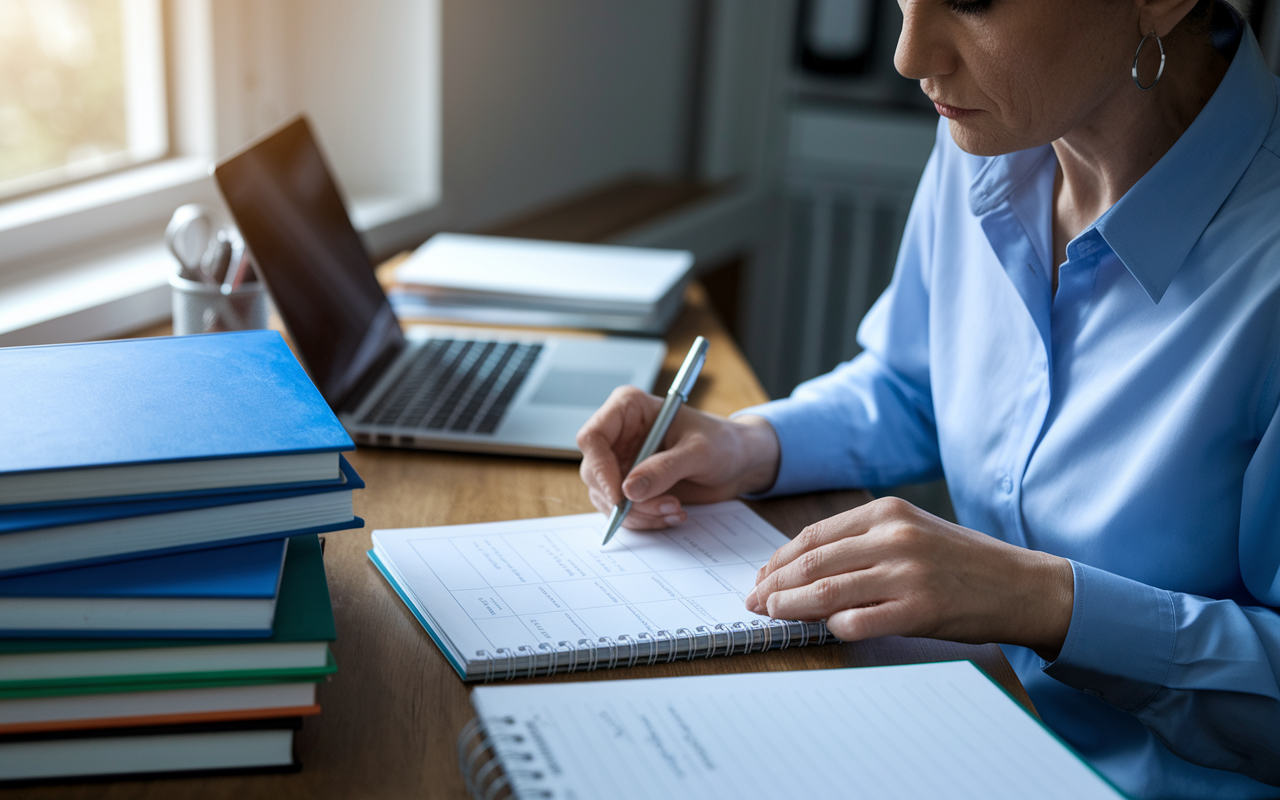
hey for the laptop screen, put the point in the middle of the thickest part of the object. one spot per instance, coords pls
(291, 216)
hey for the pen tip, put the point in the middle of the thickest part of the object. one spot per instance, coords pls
(615, 522)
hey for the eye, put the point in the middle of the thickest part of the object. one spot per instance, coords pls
(972, 7)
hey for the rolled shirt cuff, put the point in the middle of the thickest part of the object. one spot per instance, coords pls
(1119, 646)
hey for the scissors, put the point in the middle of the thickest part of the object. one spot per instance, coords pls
(189, 235)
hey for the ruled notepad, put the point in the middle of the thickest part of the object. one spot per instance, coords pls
(913, 731)
(529, 597)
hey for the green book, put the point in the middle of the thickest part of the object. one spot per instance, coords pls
(297, 650)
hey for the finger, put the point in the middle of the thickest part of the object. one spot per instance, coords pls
(826, 596)
(892, 618)
(661, 512)
(819, 534)
(854, 522)
(600, 501)
(661, 506)
(612, 433)
(664, 469)
(600, 470)
(645, 522)
(845, 555)
(636, 520)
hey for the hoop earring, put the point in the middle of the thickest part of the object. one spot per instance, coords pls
(1138, 52)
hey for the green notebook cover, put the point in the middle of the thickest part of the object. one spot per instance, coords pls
(303, 614)
(17, 690)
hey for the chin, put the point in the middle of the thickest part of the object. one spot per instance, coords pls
(975, 140)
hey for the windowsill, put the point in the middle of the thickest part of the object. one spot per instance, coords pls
(99, 293)
(112, 188)
(102, 296)
(88, 260)
(81, 213)
(369, 214)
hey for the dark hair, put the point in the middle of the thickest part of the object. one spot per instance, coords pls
(1218, 21)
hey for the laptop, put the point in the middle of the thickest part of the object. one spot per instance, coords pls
(472, 389)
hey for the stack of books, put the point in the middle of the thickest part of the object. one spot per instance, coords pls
(163, 602)
(495, 280)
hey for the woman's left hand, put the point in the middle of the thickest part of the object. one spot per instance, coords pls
(889, 569)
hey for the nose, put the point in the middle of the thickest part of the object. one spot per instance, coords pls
(923, 49)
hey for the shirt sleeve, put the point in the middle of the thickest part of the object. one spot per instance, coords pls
(1201, 674)
(870, 421)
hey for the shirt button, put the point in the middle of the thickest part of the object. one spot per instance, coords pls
(1006, 483)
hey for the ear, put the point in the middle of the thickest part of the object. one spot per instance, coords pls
(1161, 16)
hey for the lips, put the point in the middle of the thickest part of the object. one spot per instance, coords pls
(953, 112)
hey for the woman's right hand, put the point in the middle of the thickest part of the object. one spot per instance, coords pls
(704, 458)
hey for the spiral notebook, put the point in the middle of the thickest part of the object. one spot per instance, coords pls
(532, 597)
(918, 730)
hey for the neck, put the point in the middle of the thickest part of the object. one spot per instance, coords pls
(1125, 135)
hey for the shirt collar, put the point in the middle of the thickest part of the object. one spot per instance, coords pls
(1191, 182)
(1157, 222)
(1002, 175)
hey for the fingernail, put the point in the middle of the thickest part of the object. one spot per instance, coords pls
(669, 508)
(674, 519)
(638, 485)
(752, 603)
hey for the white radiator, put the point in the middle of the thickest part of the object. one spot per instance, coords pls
(848, 187)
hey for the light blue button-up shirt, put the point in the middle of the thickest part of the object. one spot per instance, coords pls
(1127, 423)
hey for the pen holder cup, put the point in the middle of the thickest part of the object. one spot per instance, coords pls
(203, 308)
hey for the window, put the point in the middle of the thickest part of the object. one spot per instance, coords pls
(111, 112)
(81, 90)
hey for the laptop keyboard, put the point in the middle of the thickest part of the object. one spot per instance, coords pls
(455, 385)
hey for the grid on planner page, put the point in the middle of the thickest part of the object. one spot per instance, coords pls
(529, 582)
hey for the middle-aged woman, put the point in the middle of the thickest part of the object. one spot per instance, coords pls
(1083, 335)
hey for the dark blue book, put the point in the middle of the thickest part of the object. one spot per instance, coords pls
(171, 415)
(227, 592)
(47, 539)
(13, 520)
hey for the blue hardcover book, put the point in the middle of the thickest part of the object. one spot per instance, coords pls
(179, 414)
(59, 538)
(221, 593)
(27, 519)
(180, 495)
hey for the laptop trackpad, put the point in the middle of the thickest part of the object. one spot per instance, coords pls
(563, 387)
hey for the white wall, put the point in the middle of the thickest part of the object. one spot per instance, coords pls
(538, 100)
(359, 98)
(367, 74)
(542, 99)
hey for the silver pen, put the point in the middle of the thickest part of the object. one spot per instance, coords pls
(677, 396)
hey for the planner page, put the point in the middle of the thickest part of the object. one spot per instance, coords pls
(912, 731)
(525, 583)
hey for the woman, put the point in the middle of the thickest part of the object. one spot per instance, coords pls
(1083, 335)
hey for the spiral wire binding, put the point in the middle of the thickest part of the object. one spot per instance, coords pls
(663, 646)
(489, 756)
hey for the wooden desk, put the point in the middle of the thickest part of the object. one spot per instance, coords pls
(392, 712)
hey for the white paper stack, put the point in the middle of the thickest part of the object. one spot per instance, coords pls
(502, 281)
